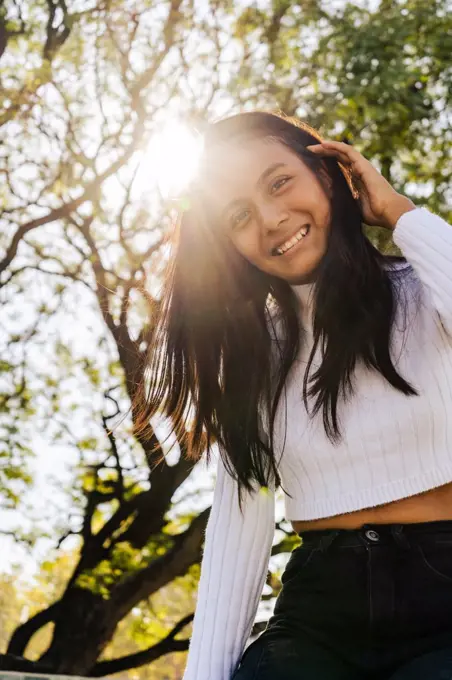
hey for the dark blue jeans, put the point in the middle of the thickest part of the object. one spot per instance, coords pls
(373, 603)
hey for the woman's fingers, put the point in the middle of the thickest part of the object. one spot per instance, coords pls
(345, 153)
(339, 147)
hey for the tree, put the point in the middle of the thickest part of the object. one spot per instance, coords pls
(146, 623)
(80, 200)
(76, 190)
(83, 251)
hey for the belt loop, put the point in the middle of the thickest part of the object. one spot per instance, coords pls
(400, 537)
(326, 541)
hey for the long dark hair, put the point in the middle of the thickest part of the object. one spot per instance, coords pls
(214, 367)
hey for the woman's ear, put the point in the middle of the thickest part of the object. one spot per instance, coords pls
(347, 174)
(323, 171)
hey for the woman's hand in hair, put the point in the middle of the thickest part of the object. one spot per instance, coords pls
(381, 205)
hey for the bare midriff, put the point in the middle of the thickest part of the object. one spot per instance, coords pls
(428, 506)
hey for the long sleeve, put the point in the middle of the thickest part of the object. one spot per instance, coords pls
(425, 239)
(233, 571)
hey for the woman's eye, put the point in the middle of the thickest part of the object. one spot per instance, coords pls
(239, 218)
(279, 183)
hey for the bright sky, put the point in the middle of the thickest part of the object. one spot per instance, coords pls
(168, 162)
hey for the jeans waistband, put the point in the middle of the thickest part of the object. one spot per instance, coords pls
(373, 534)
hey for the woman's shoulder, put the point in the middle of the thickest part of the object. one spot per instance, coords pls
(403, 276)
(393, 263)
(412, 299)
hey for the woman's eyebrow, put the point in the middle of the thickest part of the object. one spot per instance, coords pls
(271, 168)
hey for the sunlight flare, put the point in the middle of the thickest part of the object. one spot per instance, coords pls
(170, 160)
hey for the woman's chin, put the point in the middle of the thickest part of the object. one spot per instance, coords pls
(298, 273)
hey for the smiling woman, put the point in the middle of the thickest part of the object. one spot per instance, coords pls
(276, 309)
(272, 206)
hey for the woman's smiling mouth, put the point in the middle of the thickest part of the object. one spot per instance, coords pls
(292, 242)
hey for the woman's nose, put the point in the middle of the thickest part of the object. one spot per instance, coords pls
(273, 217)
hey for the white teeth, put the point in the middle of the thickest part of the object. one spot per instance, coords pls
(292, 241)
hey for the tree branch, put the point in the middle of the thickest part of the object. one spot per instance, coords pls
(56, 36)
(23, 633)
(165, 646)
(185, 552)
(65, 210)
(12, 662)
(114, 448)
(5, 33)
(173, 18)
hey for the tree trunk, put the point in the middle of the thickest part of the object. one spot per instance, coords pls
(83, 628)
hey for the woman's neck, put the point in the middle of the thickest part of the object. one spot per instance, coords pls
(305, 294)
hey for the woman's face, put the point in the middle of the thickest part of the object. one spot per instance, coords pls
(272, 206)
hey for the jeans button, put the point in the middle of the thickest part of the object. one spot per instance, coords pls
(372, 535)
